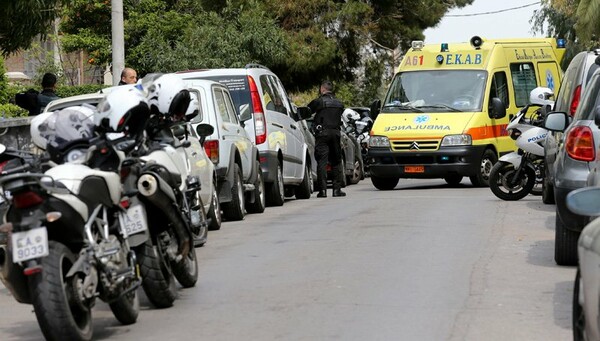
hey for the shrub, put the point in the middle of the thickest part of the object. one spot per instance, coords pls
(12, 110)
(68, 91)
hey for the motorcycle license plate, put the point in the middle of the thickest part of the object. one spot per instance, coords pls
(29, 244)
(134, 221)
(414, 169)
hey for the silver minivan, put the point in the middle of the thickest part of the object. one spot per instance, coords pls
(265, 108)
(575, 152)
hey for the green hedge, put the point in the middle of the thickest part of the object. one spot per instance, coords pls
(12, 110)
(68, 91)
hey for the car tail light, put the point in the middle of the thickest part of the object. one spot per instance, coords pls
(2, 165)
(580, 144)
(27, 199)
(575, 102)
(260, 122)
(211, 147)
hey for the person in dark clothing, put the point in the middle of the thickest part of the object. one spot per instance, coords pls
(128, 76)
(48, 93)
(326, 125)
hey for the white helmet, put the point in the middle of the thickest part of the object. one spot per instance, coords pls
(59, 127)
(169, 96)
(123, 110)
(541, 96)
(350, 115)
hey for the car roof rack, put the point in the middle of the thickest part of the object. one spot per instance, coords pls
(255, 66)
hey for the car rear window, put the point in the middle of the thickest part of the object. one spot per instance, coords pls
(238, 88)
(590, 99)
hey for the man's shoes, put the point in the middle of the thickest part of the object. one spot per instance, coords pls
(322, 194)
(338, 193)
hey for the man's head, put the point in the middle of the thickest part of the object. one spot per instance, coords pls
(48, 81)
(326, 87)
(128, 76)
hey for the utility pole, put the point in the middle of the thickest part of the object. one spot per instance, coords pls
(118, 40)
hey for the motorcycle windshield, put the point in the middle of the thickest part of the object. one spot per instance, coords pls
(66, 125)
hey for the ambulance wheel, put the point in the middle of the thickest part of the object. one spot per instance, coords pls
(482, 179)
(384, 184)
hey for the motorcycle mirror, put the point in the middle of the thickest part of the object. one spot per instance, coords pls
(2, 148)
(584, 201)
(375, 108)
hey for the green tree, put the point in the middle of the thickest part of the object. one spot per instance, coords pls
(24, 20)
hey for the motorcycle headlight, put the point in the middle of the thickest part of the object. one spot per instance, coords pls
(379, 141)
(456, 140)
(76, 156)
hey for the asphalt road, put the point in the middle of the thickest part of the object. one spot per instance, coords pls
(422, 262)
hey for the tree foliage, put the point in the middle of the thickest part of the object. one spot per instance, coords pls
(23, 20)
(303, 41)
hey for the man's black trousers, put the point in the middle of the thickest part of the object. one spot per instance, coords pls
(328, 149)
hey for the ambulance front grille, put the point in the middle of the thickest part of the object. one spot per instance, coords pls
(415, 145)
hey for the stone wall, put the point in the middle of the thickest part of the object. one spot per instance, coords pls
(14, 133)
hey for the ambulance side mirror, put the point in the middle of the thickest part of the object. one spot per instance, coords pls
(375, 109)
(496, 108)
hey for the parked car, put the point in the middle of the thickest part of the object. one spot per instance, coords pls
(265, 109)
(309, 138)
(198, 158)
(239, 178)
(575, 81)
(571, 167)
(586, 291)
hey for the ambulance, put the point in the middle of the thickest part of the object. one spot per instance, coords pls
(445, 112)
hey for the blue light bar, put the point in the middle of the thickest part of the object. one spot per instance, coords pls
(444, 47)
(561, 43)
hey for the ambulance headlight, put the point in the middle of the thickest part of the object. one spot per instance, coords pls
(456, 140)
(379, 141)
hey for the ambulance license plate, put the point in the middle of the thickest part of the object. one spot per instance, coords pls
(414, 169)
(29, 244)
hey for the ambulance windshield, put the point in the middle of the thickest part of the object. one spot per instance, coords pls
(436, 91)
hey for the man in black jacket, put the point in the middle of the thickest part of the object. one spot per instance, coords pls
(326, 125)
(48, 93)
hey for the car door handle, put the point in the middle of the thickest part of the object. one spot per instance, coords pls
(277, 125)
(293, 126)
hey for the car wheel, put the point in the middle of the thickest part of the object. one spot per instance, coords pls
(357, 173)
(384, 184)
(304, 189)
(565, 244)
(488, 159)
(214, 214)
(235, 209)
(578, 312)
(275, 191)
(259, 204)
(547, 191)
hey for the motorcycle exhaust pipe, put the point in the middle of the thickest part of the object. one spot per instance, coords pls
(160, 194)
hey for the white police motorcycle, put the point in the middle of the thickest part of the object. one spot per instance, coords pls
(515, 174)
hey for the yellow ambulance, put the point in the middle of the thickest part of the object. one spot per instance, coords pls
(445, 112)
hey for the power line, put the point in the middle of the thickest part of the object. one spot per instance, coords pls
(493, 12)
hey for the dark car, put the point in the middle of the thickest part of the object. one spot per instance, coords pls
(575, 150)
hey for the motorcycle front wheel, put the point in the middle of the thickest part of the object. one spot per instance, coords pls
(505, 187)
(61, 313)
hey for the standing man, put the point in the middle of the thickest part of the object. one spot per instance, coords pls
(328, 118)
(128, 76)
(48, 93)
